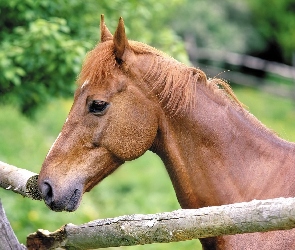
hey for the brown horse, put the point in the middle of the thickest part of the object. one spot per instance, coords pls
(132, 98)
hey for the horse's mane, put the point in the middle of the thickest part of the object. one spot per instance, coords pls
(174, 83)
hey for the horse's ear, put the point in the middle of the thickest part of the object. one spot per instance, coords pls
(120, 40)
(105, 34)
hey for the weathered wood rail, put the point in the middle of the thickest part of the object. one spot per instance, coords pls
(179, 225)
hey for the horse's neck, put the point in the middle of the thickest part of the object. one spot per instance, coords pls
(218, 154)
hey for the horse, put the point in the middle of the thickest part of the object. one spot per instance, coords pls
(131, 98)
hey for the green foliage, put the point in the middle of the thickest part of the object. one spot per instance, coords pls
(275, 21)
(39, 55)
(41, 61)
(43, 43)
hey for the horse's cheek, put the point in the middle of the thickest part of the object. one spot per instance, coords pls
(131, 134)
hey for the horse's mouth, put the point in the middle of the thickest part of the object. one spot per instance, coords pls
(74, 201)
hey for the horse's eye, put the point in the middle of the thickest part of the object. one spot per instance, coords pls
(98, 107)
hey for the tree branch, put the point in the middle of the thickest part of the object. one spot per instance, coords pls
(179, 225)
(19, 180)
(8, 240)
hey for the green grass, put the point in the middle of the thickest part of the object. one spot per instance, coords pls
(278, 79)
(141, 186)
(276, 113)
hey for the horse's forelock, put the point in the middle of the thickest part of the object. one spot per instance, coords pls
(98, 64)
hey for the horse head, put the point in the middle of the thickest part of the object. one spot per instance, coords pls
(113, 119)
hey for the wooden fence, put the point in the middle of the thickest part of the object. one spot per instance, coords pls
(179, 225)
(216, 58)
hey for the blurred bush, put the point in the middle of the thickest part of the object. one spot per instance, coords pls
(275, 21)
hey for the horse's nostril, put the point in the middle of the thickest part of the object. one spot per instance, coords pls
(47, 192)
(60, 200)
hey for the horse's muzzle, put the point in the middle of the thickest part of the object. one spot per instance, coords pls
(57, 200)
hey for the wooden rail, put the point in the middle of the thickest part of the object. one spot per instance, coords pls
(242, 60)
(199, 55)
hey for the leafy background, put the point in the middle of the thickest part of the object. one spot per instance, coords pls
(42, 46)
